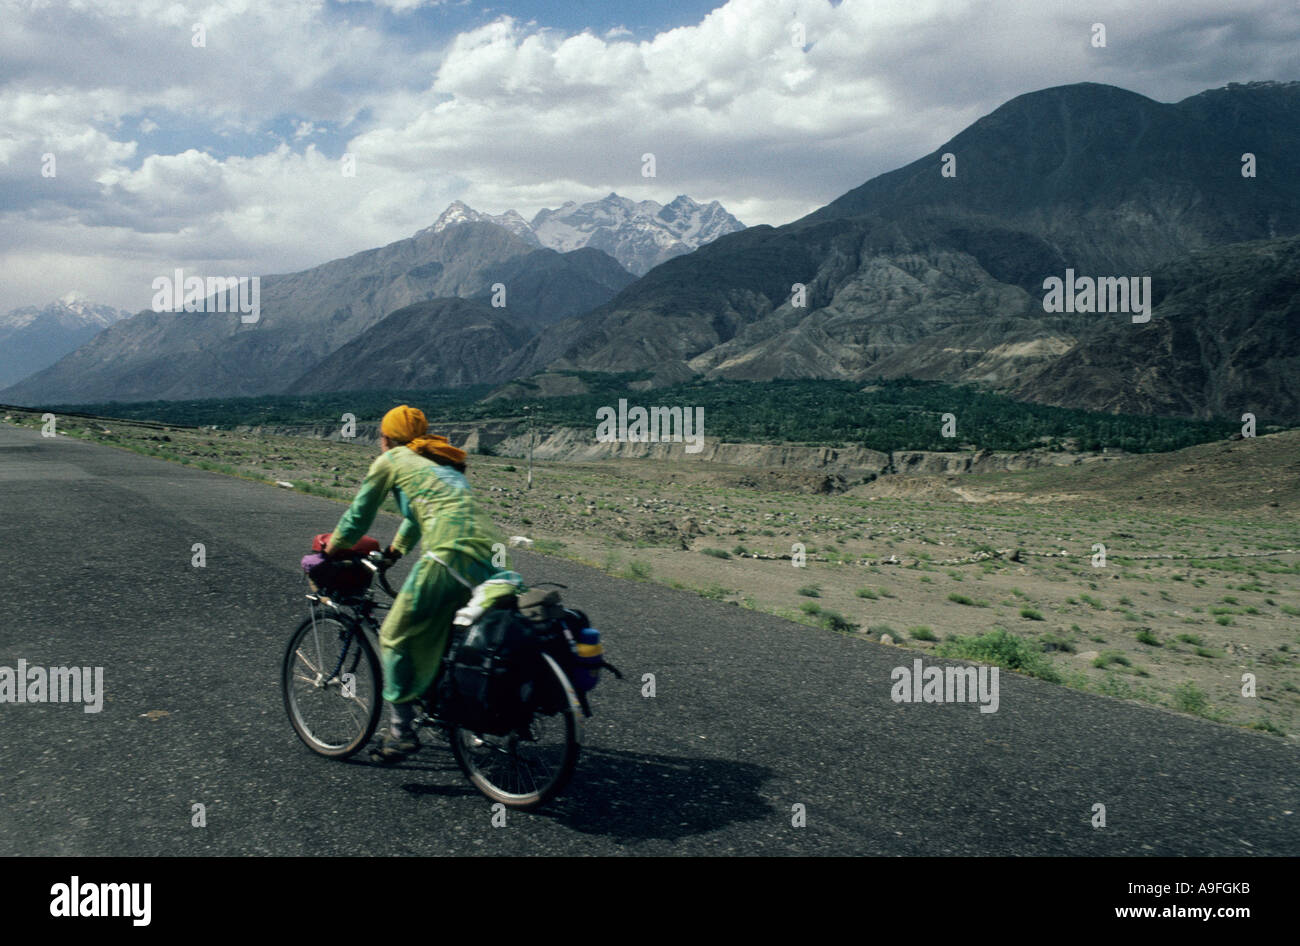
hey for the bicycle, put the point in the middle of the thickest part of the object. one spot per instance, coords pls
(331, 671)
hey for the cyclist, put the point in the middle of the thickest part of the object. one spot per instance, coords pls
(426, 476)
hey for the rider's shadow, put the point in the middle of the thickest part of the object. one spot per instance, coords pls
(628, 797)
(442, 765)
(631, 797)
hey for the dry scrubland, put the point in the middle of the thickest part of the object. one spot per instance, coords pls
(1200, 587)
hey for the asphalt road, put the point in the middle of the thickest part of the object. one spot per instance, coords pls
(752, 714)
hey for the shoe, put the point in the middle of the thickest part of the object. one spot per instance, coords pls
(395, 748)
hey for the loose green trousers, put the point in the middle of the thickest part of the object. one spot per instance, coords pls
(416, 632)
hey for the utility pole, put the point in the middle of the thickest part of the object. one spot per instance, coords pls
(528, 412)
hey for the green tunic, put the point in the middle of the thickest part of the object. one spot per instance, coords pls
(440, 511)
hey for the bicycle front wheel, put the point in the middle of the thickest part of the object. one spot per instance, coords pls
(529, 766)
(333, 685)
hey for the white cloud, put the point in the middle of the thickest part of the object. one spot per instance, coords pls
(515, 115)
(400, 6)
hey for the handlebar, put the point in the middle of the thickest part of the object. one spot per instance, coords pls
(378, 564)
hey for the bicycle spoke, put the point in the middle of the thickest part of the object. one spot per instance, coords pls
(316, 637)
(351, 712)
(310, 666)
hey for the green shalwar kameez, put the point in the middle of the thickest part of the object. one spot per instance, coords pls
(440, 511)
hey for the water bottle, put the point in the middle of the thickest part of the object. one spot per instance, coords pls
(590, 655)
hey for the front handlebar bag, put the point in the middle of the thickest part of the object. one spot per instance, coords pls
(343, 576)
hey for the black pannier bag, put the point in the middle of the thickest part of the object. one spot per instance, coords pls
(549, 620)
(488, 686)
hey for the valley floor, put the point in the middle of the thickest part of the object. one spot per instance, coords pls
(1196, 607)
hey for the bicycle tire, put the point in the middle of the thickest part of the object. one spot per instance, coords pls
(369, 681)
(569, 717)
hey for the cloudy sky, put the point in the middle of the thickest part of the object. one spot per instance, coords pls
(225, 156)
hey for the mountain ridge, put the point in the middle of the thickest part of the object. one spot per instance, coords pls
(307, 315)
(34, 337)
(639, 234)
(917, 274)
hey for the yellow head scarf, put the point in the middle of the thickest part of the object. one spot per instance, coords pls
(408, 426)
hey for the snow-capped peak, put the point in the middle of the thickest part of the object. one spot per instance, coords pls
(459, 212)
(70, 310)
(639, 234)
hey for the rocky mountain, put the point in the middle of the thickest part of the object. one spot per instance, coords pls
(917, 273)
(458, 212)
(1224, 340)
(437, 344)
(639, 234)
(34, 337)
(306, 316)
(937, 270)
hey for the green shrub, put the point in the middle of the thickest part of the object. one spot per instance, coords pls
(810, 607)
(1144, 636)
(867, 593)
(834, 621)
(1003, 649)
(922, 633)
(1108, 657)
(1030, 614)
(1188, 698)
(716, 553)
(810, 591)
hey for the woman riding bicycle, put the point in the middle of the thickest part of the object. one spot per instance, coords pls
(425, 475)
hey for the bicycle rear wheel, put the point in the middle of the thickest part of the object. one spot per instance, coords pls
(528, 767)
(333, 685)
